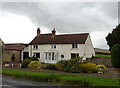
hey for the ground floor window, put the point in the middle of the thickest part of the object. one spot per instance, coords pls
(36, 54)
(74, 55)
(51, 56)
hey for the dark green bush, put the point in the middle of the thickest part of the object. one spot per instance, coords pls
(50, 66)
(33, 58)
(61, 65)
(115, 55)
(72, 65)
(25, 63)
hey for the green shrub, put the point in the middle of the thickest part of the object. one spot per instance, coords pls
(72, 65)
(33, 58)
(25, 63)
(88, 67)
(34, 65)
(115, 55)
(61, 65)
(50, 66)
(101, 68)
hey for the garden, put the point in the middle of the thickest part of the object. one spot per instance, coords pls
(31, 69)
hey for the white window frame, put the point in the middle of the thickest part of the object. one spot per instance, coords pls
(34, 54)
(53, 46)
(74, 46)
(35, 46)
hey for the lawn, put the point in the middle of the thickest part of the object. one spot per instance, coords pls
(63, 79)
(102, 55)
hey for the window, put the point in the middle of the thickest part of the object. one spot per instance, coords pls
(49, 56)
(74, 55)
(53, 46)
(37, 55)
(46, 56)
(62, 56)
(74, 46)
(35, 46)
(52, 56)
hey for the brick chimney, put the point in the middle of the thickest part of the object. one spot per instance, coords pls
(53, 32)
(38, 31)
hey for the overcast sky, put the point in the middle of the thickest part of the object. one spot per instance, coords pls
(20, 20)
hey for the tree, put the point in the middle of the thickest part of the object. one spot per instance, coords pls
(115, 55)
(114, 37)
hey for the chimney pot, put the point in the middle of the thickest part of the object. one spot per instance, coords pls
(53, 31)
(38, 31)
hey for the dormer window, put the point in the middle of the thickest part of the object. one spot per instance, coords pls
(74, 46)
(53, 46)
(35, 46)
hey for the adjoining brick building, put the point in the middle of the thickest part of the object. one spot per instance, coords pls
(12, 52)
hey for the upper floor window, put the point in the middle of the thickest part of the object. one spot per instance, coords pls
(74, 46)
(53, 46)
(35, 46)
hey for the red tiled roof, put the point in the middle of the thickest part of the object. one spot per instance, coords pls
(60, 39)
(14, 46)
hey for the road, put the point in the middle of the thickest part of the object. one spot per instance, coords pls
(9, 82)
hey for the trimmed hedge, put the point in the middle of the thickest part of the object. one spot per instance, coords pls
(115, 55)
(88, 67)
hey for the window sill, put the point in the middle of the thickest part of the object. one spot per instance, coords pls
(74, 48)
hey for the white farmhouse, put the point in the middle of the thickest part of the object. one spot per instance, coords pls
(50, 48)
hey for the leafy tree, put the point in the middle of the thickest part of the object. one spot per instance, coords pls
(114, 37)
(115, 55)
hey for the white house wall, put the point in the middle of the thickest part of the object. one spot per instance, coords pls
(85, 50)
(62, 49)
(89, 48)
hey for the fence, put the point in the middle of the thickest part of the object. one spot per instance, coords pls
(101, 60)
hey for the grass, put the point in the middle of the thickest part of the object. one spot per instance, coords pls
(63, 79)
(102, 55)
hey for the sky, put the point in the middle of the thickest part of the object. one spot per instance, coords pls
(20, 20)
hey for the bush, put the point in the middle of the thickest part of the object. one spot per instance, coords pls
(101, 68)
(61, 65)
(25, 63)
(115, 55)
(50, 66)
(72, 65)
(34, 65)
(88, 67)
(33, 58)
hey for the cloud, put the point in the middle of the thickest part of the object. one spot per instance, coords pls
(68, 17)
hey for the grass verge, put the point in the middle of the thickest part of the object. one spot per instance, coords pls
(64, 79)
(102, 55)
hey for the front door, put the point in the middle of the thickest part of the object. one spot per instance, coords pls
(25, 55)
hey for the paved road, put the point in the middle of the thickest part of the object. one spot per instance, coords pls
(9, 82)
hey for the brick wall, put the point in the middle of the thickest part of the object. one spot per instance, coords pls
(101, 60)
(7, 55)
